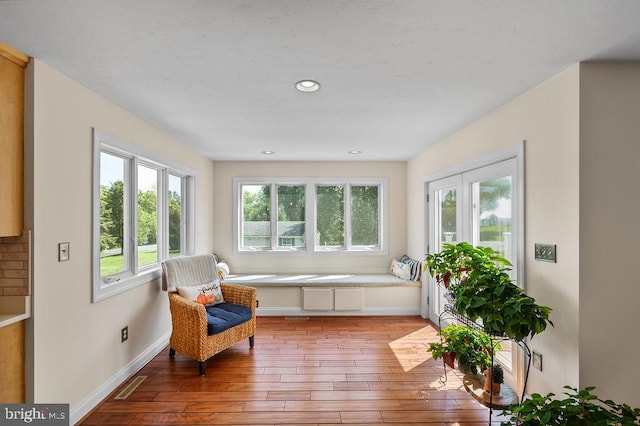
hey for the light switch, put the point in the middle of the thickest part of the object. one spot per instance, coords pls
(537, 360)
(63, 252)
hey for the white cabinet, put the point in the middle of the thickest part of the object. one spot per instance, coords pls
(332, 299)
(349, 299)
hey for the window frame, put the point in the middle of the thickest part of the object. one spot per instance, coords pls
(311, 247)
(133, 276)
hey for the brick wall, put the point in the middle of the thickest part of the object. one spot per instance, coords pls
(14, 265)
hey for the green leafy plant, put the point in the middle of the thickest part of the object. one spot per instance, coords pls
(581, 407)
(453, 264)
(470, 346)
(478, 278)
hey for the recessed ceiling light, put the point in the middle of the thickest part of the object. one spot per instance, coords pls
(307, 86)
(268, 152)
(355, 152)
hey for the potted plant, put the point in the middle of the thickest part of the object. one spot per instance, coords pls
(494, 377)
(579, 408)
(478, 278)
(454, 263)
(443, 350)
(469, 346)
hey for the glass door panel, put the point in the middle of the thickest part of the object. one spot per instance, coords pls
(445, 220)
(492, 215)
(493, 224)
(493, 219)
(446, 203)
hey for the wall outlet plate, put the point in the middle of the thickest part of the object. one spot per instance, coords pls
(545, 252)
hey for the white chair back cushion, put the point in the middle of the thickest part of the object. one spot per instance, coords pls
(187, 271)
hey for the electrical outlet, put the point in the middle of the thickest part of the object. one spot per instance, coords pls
(124, 334)
(537, 360)
(545, 252)
(257, 303)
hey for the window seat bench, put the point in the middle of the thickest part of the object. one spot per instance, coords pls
(320, 280)
(332, 294)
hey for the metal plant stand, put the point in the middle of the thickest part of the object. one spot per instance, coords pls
(508, 396)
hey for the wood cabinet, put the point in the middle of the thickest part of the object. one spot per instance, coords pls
(12, 74)
(12, 363)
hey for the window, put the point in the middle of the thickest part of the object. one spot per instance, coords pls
(365, 215)
(142, 214)
(256, 216)
(360, 204)
(330, 216)
(291, 216)
(279, 215)
(177, 217)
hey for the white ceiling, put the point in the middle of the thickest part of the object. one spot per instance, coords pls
(396, 75)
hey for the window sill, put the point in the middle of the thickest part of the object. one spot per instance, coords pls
(105, 291)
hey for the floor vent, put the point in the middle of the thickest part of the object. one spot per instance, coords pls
(297, 318)
(128, 390)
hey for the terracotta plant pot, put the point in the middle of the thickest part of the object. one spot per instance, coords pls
(489, 386)
(449, 359)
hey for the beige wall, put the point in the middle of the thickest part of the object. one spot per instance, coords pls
(75, 344)
(224, 172)
(609, 229)
(547, 119)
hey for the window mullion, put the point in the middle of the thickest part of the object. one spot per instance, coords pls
(183, 215)
(127, 215)
(184, 190)
(133, 216)
(163, 214)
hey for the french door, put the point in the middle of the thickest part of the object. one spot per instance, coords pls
(480, 206)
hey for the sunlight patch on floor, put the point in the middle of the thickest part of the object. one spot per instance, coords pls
(415, 344)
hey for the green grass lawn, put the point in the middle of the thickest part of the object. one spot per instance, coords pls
(110, 265)
(493, 232)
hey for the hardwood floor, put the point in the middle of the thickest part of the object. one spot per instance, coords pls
(320, 370)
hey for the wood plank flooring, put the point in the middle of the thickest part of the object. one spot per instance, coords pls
(315, 371)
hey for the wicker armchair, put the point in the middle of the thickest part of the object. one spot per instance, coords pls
(189, 319)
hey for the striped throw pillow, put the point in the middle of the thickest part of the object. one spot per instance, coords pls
(416, 267)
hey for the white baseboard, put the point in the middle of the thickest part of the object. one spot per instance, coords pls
(98, 395)
(290, 311)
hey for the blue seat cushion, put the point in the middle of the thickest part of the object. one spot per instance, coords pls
(225, 315)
